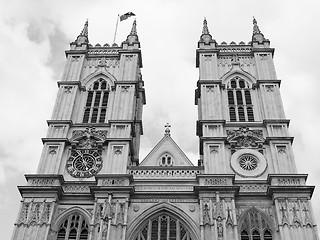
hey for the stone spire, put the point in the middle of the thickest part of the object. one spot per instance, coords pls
(84, 31)
(83, 36)
(206, 38)
(255, 27)
(205, 29)
(134, 28)
(257, 36)
(132, 38)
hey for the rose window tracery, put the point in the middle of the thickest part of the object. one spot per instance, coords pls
(248, 162)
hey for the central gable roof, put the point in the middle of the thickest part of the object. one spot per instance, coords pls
(169, 146)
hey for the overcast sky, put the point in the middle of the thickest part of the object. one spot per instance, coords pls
(34, 35)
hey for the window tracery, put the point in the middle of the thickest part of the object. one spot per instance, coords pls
(74, 227)
(254, 227)
(97, 102)
(166, 160)
(163, 227)
(239, 100)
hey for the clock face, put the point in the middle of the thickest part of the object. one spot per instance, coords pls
(84, 163)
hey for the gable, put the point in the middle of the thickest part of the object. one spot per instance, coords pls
(166, 153)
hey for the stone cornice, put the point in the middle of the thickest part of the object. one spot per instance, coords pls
(276, 121)
(46, 140)
(269, 139)
(57, 122)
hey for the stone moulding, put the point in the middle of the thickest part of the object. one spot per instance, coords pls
(165, 172)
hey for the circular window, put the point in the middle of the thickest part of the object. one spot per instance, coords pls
(248, 163)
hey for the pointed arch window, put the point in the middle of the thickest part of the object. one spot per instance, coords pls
(239, 100)
(74, 227)
(166, 160)
(97, 101)
(163, 227)
(254, 227)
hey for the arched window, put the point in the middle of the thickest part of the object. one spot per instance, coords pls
(166, 160)
(163, 227)
(97, 102)
(254, 227)
(74, 227)
(239, 100)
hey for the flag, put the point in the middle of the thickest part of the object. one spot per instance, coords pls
(126, 16)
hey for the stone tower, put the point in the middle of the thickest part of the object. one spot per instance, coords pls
(244, 140)
(90, 184)
(94, 131)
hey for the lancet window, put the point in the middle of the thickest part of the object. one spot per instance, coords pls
(255, 227)
(163, 227)
(239, 100)
(97, 101)
(74, 227)
(166, 160)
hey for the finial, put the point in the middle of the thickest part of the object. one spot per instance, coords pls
(167, 130)
(134, 28)
(84, 31)
(205, 29)
(255, 27)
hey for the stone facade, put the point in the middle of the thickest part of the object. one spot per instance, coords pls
(90, 184)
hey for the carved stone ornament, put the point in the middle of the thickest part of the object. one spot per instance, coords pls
(206, 217)
(88, 138)
(248, 163)
(85, 159)
(35, 214)
(245, 138)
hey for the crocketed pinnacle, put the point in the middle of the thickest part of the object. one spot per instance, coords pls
(167, 130)
(205, 29)
(134, 28)
(84, 31)
(256, 29)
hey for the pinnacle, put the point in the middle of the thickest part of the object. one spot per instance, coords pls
(205, 29)
(84, 31)
(134, 28)
(255, 27)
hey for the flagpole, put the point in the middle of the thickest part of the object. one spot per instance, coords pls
(115, 32)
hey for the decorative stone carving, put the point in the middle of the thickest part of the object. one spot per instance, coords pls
(76, 188)
(67, 89)
(125, 88)
(42, 182)
(269, 88)
(89, 133)
(52, 150)
(34, 213)
(284, 213)
(117, 150)
(210, 88)
(288, 181)
(253, 188)
(112, 182)
(120, 214)
(85, 158)
(306, 212)
(295, 220)
(215, 181)
(229, 222)
(206, 216)
(136, 208)
(214, 149)
(192, 208)
(164, 173)
(98, 213)
(103, 52)
(245, 138)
